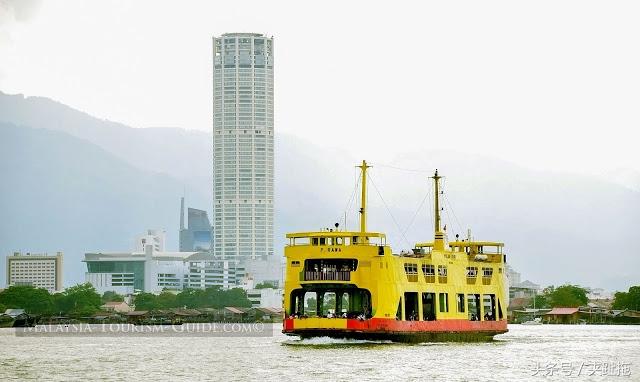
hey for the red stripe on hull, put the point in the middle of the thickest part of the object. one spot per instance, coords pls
(452, 325)
(384, 325)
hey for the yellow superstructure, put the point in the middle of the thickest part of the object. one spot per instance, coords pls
(439, 290)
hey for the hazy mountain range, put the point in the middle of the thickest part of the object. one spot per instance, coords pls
(75, 183)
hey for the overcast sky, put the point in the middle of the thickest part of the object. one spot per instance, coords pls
(546, 84)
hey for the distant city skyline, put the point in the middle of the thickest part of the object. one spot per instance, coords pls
(507, 80)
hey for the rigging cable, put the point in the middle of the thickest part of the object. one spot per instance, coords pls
(389, 211)
(417, 212)
(347, 208)
(447, 202)
(400, 168)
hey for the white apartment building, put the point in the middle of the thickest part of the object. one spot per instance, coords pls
(243, 147)
(204, 270)
(38, 270)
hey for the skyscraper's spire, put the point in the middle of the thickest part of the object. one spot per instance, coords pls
(182, 213)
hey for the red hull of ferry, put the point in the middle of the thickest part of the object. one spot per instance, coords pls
(412, 331)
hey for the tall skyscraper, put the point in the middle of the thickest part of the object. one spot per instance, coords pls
(243, 147)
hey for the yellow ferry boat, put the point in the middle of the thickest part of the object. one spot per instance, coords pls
(440, 291)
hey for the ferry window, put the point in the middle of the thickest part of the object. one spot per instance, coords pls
(428, 270)
(442, 270)
(411, 306)
(295, 263)
(489, 305)
(487, 272)
(428, 306)
(322, 241)
(460, 301)
(444, 302)
(473, 303)
(411, 270)
(472, 271)
(310, 302)
(314, 241)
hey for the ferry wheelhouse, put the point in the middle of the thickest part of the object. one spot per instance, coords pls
(360, 289)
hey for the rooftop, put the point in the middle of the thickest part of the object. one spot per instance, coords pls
(137, 256)
(242, 34)
(563, 311)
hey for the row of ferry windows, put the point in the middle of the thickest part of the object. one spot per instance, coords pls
(430, 270)
(478, 307)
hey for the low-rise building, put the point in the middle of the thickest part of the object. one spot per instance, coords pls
(265, 298)
(563, 316)
(524, 289)
(38, 270)
(116, 306)
(129, 272)
(204, 271)
(153, 237)
(151, 271)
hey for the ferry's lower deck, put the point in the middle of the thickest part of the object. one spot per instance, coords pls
(347, 311)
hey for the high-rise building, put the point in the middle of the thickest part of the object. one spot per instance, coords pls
(38, 270)
(243, 147)
(197, 235)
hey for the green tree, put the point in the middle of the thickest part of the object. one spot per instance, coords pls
(541, 301)
(311, 306)
(32, 300)
(628, 300)
(190, 298)
(266, 285)
(166, 300)
(146, 301)
(236, 297)
(570, 296)
(79, 300)
(111, 296)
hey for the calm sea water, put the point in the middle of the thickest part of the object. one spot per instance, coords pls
(579, 352)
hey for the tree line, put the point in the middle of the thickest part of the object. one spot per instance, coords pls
(82, 300)
(212, 297)
(568, 296)
(573, 296)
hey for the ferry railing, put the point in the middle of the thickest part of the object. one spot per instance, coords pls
(327, 276)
